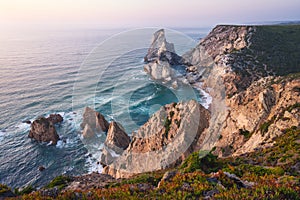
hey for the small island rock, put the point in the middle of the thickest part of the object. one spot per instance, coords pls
(43, 130)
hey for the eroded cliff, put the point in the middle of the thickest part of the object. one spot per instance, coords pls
(252, 69)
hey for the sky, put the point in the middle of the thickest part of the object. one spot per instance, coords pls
(141, 13)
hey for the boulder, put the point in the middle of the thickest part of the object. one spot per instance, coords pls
(41, 168)
(106, 157)
(51, 192)
(55, 118)
(117, 139)
(95, 120)
(239, 182)
(43, 130)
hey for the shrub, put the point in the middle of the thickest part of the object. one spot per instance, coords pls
(245, 133)
(60, 182)
(4, 188)
(265, 127)
(167, 126)
(27, 190)
(290, 108)
(202, 160)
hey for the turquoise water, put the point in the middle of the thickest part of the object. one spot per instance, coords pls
(62, 72)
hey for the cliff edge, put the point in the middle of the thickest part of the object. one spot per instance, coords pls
(255, 71)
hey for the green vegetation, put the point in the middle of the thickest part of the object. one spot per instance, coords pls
(265, 127)
(245, 133)
(177, 122)
(26, 190)
(203, 160)
(167, 126)
(292, 107)
(4, 189)
(244, 169)
(277, 47)
(171, 114)
(59, 181)
(273, 50)
(150, 178)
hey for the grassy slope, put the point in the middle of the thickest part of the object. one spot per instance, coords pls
(278, 47)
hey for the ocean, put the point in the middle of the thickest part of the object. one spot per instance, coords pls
(63, 71)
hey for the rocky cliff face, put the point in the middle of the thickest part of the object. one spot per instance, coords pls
(240, 70)
(170, 135)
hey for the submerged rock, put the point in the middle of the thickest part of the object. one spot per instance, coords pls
(26, 122)
(5, 192)
(41, 168)
(43, 130)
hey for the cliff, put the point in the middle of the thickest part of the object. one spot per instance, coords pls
(251, 69)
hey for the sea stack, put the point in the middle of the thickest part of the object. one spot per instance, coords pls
(161, 57)
(93, 122)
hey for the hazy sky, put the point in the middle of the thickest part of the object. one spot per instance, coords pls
(139, 13)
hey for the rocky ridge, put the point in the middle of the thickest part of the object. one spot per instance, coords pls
(258, 102)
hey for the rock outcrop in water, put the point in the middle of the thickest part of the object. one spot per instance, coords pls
(116, 142)
(93, 122)
(117, 139)
(43, 130)
(160, 57)
(169, 136)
